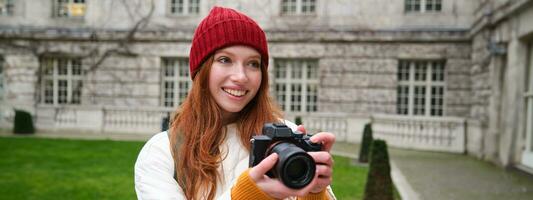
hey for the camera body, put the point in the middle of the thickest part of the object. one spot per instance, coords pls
(295, 168)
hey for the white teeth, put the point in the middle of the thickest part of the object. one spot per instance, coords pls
(237, 93)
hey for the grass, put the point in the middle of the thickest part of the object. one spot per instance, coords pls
(33, 168)
(348, 180)
(37, 168)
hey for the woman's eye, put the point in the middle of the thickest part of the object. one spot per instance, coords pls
(255, 64)
(224, 60)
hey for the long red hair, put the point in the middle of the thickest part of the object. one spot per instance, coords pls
(197, 132)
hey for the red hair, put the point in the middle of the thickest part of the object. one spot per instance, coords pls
(197, 132)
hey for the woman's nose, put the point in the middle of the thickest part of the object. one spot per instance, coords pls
(239, 73)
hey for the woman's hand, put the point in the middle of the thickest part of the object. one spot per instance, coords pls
(323, 176)
(274, 187)
(324, 160)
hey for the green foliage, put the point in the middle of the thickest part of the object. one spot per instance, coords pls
(36, 168)
(298, 120)
(379, 183)
(366, 142)
(348, 180)
(23, 122)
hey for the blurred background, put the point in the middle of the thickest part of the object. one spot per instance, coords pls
(443, 77)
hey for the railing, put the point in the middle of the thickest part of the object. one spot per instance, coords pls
(346, 127)
(424, 133)
(147, 120)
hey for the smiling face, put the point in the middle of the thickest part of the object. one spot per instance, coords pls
(235, 78)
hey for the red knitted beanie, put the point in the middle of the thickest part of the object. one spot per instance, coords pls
(224, 27)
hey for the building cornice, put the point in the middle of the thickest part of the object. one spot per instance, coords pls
(490, 17)
(93, 35)
(374, 36)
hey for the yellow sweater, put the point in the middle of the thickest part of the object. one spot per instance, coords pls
(245, 189)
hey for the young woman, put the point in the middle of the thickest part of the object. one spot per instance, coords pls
(205, 153)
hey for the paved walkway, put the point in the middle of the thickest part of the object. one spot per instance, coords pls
(422, 175)
(450, 176)
(417, 175)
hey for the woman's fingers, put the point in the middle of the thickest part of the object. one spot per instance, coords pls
(321, 184)
(321, 157)
(325, 138)
(262, 168)
(301, 129)
(323, 176)
(324, 171)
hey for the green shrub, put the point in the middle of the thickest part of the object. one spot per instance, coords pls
(298, 120)
(379, 182)
(23, 122)
(366, 141)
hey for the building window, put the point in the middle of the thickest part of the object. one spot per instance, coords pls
(62, 80)
(70, 8)
(185, 7)
(296, 85)
(296, 7)
(6, 7)
(421, 86)
(423, 5)
(176, 82)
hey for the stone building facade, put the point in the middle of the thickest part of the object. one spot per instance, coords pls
(501, 78)
(120, 66)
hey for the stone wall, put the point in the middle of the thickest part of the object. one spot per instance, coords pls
(356, 44)
(361, 77)
(481, 93)
(20, 80)
(499, 63)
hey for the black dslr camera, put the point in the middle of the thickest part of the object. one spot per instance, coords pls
(295, 168)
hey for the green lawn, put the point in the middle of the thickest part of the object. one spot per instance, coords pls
(348, 180)
(36, 168)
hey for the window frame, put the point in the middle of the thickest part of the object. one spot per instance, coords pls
(9, 8)
(56, 77)
(187, 8)
(423, 6)
(307, 99)
(179, 65)
(62, 9)
(299, 6)
(427, 83)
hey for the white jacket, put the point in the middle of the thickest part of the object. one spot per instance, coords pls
(154, 169)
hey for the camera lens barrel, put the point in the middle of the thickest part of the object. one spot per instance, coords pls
(295, 168)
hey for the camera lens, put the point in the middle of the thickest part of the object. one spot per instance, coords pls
(295, 168)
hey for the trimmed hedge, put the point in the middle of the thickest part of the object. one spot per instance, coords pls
(365, 143)
(23, 122)
(379, 182)
(298, 120)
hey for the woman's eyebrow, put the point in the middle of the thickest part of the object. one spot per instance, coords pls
(224, 52)
(254, 57)
(232, 54)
